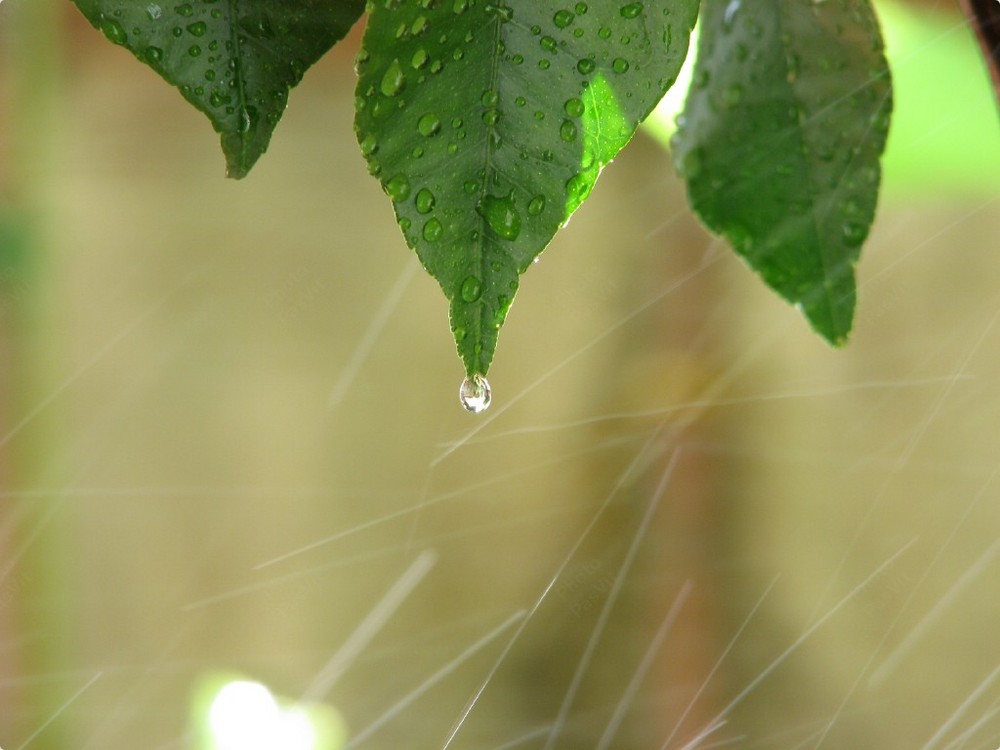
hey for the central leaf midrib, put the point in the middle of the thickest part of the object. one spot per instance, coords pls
(488, 173)
(241, 96)
(802, 142)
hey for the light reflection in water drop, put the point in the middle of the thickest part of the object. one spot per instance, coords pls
(475, 394)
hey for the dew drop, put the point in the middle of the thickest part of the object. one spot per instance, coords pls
(393, 80)
(114, 31)
(398, 187)
(424, 201)
(369, 146)
(620, 65)
(428, 125)
(475, 394)
(854, 232)
(536, 205)
(567, 131)
(198, 28)
(419, 59)
(573, 107)
(154, 54)
(472, 289)
(563, 18)
(433, 230)
(502, 215)
(632, 10)
(580, 8)
(586, 66)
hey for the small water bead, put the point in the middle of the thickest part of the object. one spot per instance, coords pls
(491, 116)
(419, 26)
(369, 146)
(536, 205)
(114, 31)
(567, 131)
(544, 64)
(393, 79)
(398, 187)
(632, 10)
(604, 32)
(198, 29)
(194, 50)
(502, 216)
(520, 101)
(490, 98)
(586, 66)
(424, 201)
(433, 230)
(563, 18)
(154, 54)
(472, 289)
(460, 6)
(475, 394)
(184, 10)
(620, 65)
(420, 59)
(573, 107)
(428, 125)
(548, 44)
(580, 8)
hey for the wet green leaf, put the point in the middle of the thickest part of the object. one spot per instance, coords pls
(780, 143)
(488, 121)
(234, 60)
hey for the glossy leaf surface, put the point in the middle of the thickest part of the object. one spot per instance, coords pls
(488, 121)
(780, 143)
(235, 60)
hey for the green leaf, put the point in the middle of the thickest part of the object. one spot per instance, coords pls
(488, 121)
(780, 143)
(234, 60)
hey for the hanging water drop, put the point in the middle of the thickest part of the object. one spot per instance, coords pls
(475, 394)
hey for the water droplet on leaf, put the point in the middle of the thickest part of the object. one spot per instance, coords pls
(424, 201)
(398, 187)
(501, 215)
(472, 289)
(393, 80)
(428, 125)
(632, 10)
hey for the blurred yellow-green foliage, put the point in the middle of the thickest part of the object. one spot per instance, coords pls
(212, 461)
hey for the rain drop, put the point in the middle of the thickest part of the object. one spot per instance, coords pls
(632, 10)
(472, 289)
(563, 18)
(393, 80)
(536, 205)
(428, 125)
(424, 201)
(398, 187)
(567, 131)
(475, 394)
(114, 31)
(433, 230)
(501, 215)
(573, 107)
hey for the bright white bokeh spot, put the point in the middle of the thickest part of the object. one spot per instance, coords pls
(245, 716)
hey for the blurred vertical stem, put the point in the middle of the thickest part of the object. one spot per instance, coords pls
(33, 545)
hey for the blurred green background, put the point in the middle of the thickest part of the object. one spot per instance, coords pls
(231, 447)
